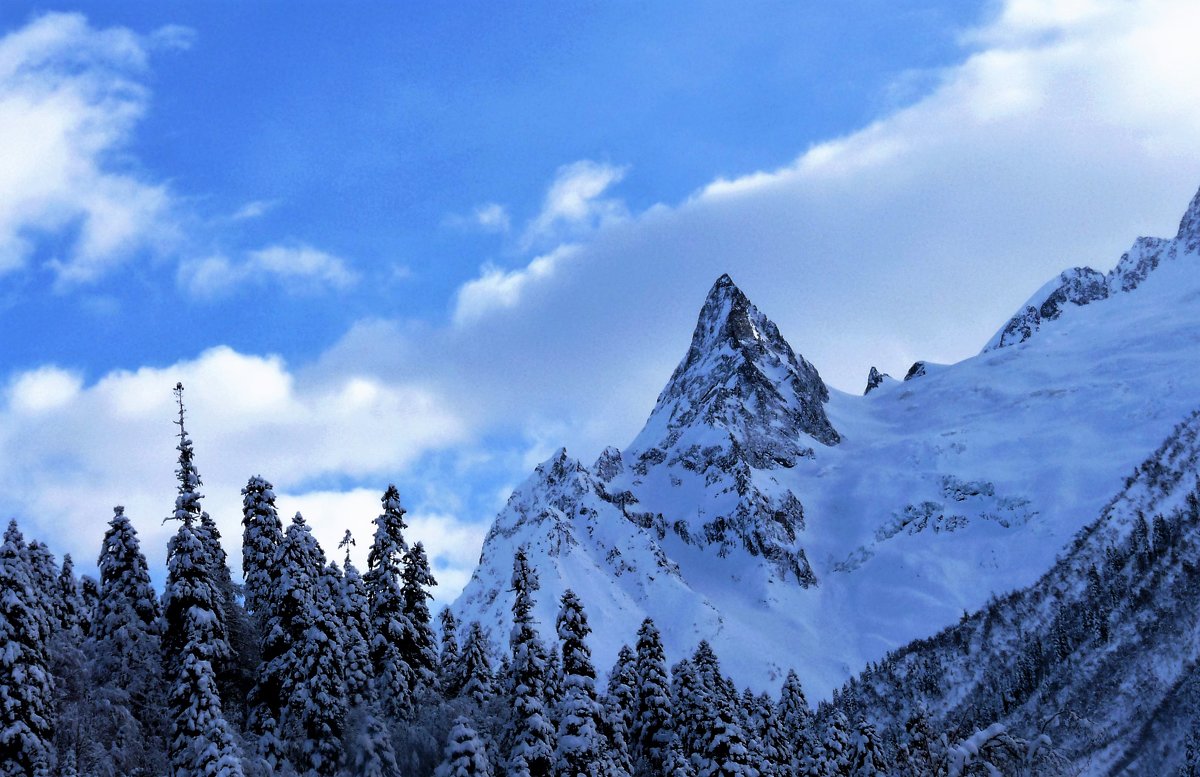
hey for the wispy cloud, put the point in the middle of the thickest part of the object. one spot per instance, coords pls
(298, 269)
(498, 289)
(575, 202)
(491, 217)
(253, 210)
(70, 96)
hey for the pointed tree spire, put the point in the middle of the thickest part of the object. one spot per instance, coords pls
(477, 681)
(389, 625)
(450, 675)
(195, 641)
(187, 503)
(652, 722)
(125, 634)
(419, 643)
(261, 536)
(580, 750)
(530, 735)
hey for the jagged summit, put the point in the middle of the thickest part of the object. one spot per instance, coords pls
(740, 374)
(1082, 286)
(1189, 226)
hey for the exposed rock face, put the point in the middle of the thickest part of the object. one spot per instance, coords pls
(874, 380)
(741, 375)
(1188, 237)
(1083, 286)
(1078, 286)
(915, 371)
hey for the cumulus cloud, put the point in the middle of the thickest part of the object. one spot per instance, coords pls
(73, 449)
(70, 96)
(298, 269)
(451, 544)
(498, 289)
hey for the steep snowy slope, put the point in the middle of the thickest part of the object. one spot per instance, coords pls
(791, 525)
(1101, 653)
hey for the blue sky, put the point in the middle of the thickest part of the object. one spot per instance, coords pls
(429, 243)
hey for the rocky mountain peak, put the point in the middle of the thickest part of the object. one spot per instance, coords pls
(740, 374)
(1189, 225)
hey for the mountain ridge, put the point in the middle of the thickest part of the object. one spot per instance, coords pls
(938, 493)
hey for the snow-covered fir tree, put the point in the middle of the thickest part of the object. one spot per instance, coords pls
(868, 756)
(26, 687)
(418, 646)
(69, 600)
(127, 665)
(194, 641)
(320, 702)
(619, 706)
(726, 752)
(465, 754)
(386, 600)
(580, 751)
(836, 757)
(690, 707)
(477, 681)
(201, 741)
(262, 534)
(652, 726)
(530, 733)
(450, 669)
(356, 620)
(43, 575)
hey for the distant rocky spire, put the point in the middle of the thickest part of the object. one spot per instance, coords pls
(1189, 225)
(874, 380)
(741, 374)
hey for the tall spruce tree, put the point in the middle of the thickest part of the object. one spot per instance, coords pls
(530, 734)
(127, 666)
(580, 751)
(868, 755)
(69, 600)
(418, 646)
(26, 686)
(450, 670)
(691, 703)
(194, 641)
(620, 702)
(477, 682)
(262, 534)
(652, 727)
(726, 752)
(356, 617)
(388, 621)
(320, 700)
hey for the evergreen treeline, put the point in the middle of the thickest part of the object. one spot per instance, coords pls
(309, 669)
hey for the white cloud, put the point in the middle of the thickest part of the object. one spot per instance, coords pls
(253, 210)
(70, 96)
(71, 451)
(496, 289)
(451, 544)
(298, 269)
(574, 202)
(488, 217)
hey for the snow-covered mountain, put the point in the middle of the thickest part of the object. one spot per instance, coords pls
(1101, 653)
(796, 526)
